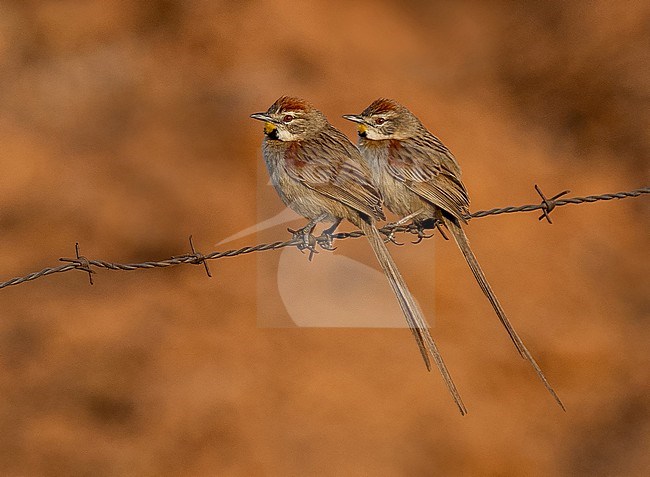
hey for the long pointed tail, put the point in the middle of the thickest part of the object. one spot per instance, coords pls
(411, 310)
(463, 244)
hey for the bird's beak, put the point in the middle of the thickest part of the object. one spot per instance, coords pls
(362, 129)
(270, 124)
(355, 118)
(262, 117)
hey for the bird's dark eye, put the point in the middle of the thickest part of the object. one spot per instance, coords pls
(379, 121)
(287, 118)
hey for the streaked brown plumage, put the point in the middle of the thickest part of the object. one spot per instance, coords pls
(420, 179)
(320, 174)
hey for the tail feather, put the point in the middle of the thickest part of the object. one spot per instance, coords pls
(411, 310)
(463, 244)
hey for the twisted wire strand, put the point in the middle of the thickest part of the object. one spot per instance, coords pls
(561, 202)
(84, 264)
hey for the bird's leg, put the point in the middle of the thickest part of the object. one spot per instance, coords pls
(390, 236)
(430, 224)
(308, 241)
(420, 227)
(441, 230)
(325, 240)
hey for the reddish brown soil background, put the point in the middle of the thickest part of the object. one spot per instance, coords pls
(124, 126)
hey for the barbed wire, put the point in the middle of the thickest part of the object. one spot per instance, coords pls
(86, 265)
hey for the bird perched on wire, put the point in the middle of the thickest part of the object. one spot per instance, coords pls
(320, 174)
(420, 180)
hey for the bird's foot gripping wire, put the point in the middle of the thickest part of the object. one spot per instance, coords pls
(418, 228)
(326, 241)
(398, 226)
(389, 230)
(305, 239)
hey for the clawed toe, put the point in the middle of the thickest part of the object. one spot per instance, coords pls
(419, 231)
(390, 236)
(442, 232)
(306, 239)
(326, 241)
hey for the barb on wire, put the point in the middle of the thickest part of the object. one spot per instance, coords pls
(84, 264)
(549, 204)
(198, 258)
(80, 263)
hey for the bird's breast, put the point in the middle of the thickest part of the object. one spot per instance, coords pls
(292, 157)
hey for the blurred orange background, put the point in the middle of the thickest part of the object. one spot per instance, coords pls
(124, 126)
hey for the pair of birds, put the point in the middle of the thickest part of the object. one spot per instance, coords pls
(322, 176)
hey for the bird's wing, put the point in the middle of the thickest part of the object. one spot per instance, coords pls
(429, 169)
(332, 166)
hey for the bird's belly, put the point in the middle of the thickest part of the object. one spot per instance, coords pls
(398, 198)
(307, 202)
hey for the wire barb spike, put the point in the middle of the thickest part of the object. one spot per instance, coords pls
(80, 263)
(548, 204)
(199, 258)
